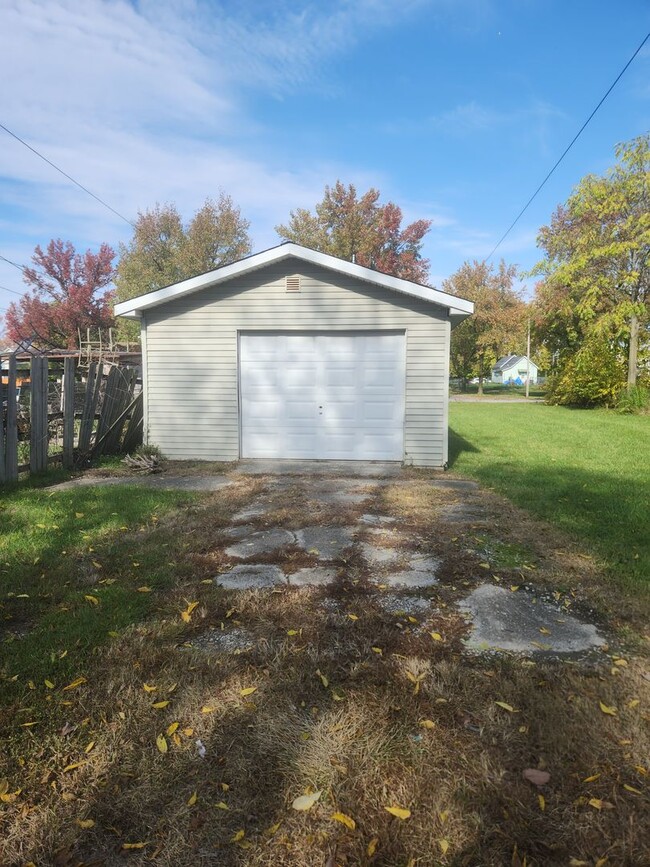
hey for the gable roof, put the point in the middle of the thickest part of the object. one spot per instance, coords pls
(457, 308)
(510, 361)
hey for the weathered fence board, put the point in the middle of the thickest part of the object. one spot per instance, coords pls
(93, 387)
(123, 400)
(68, 412)
(39, 438)
(133, 434)
(11, 424)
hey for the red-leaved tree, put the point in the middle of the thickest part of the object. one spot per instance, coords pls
(360, 228)
(67, 293)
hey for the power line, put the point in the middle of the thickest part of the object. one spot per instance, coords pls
(65, 175)
(15, 264)
(7, 289)
(565, 152)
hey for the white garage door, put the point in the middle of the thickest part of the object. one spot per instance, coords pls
(322, 395)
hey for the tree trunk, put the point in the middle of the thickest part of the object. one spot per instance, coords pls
(480, 384)
(632, 352)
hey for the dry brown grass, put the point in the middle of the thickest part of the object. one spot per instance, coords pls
(331, 713)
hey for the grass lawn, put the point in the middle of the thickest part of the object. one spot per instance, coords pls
(123, 744)
(585, 471)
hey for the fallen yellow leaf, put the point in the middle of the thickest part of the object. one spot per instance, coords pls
(237, 836)
(172, 728)
(436, 636)
(306, 802)
(161, 743)
(444, 846)
(73, 767)
(192, 799)
(128, 846)
(48, 684)
(348, 821)
(427, 724)
(207, 709)
(74, 684)
(144, 589)
(591, 779)
(372, 847)
(89, 747)
(249, 690)
(400, 812)
(221, 805)
(632, 789)
(322, 677)
(148, 687)
(542, 802)
(186, 615)
(353, 616)
(544, 630)
(160, 704)
(611, 711)
(505, 706)
(85, 823)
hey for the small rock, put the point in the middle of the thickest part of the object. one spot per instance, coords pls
(412, 578)
(377, 556)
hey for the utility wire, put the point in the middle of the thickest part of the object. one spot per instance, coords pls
(15, 264)
(65, 175)
(565, 152)
(7, 289)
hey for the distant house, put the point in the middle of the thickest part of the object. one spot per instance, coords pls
(514, 370)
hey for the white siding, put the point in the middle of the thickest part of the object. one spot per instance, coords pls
(191, 363)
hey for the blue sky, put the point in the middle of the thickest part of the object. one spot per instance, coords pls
(454, 109)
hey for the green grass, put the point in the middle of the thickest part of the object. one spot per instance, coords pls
(586, 471)
(61, 551)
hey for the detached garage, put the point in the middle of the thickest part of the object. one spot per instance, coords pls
(291, 353)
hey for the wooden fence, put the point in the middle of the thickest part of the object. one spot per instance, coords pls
(96, 411)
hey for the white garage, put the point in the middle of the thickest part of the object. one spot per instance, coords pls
(296, 354)
(322, 395)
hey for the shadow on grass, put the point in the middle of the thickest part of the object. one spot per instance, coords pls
(457, 445)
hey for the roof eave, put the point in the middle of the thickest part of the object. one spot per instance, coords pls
(132, 309)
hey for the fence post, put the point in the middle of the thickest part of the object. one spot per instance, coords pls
(38, 444)
(2, 430)
(68, 412)
(11, 441)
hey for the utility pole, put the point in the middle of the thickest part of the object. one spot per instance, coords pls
(528, 361)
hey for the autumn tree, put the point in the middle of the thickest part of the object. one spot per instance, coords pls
(163, 250)
(68, 293)
(361, 229)
(596, 268)
(497, 326)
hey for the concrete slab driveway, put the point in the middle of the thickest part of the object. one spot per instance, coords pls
(403, 540)
(410, 542)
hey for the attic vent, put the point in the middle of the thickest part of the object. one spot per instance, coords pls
(293, 283)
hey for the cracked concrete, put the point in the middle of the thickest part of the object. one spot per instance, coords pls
(327, 543)
(261, 542)
(520, 623)
(312, 576)
(251, 576)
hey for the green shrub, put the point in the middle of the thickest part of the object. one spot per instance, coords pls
(591, 377)
(635, 399)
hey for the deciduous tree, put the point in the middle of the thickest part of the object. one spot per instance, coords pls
(163, 250)
(596, 269)
(497, 326)
(362, 229)
(68, 293)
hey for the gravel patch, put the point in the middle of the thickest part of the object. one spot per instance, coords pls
(234, 640)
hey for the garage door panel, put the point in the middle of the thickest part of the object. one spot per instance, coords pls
(320, 395)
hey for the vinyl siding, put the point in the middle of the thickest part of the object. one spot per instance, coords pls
(191, 355)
